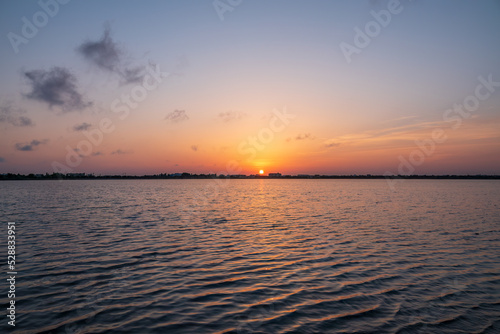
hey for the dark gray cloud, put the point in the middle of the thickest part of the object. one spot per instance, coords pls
(103, 53)
(194, 148)
(13, 116)
(2, 160)
(229, 116)
(82, 127)
(106, 55)
(56, 87)
(177, 116)
(30, 146)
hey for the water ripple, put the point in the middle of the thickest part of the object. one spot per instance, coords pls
(294, 256)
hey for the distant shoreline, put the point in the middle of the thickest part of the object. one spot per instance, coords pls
(182, 176)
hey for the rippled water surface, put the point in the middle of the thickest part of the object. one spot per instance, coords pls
(254, 256)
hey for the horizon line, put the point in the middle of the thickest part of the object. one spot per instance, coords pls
(186, 175)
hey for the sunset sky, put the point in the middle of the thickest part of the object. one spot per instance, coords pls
(327, 87)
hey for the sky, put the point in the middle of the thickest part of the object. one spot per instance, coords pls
(236, 86)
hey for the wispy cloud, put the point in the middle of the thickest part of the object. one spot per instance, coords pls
(301, 136)
(56, 87)
(21, 121)
(194, 148)
(229, 116)
(82, 127)
(13, 116)
(133, 74)
(30, 146)
(120, 151)
(177, 116)
(2, 159)
(331, 143)
(106, 55)
(398, 119)
(391, 133)
(93, 154)
(404, 136)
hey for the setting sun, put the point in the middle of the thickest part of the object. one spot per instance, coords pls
(261, 172)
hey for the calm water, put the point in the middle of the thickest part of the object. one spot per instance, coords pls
(255, 256)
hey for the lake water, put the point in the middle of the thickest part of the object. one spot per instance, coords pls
(254, 256)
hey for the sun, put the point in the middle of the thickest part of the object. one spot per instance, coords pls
(261, 172)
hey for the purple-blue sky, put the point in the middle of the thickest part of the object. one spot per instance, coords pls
(330, 87)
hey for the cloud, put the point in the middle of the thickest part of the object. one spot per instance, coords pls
(133, 75)
(93, 154)
(82, 127)
(194, 148)
(385, 135)
(56, 87)
(177, 116)
(12, 116)
(304, 136)
(103, 53)
(2, 160)
(229, 116)
(30, 146)
(21, 121)
(331, 143)
(301, 137)
(106, 55)
(398, 119)
(120, 151)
